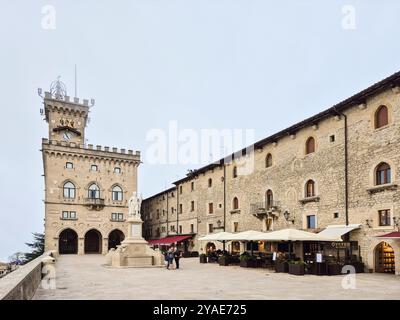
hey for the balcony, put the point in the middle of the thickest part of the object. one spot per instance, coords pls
(94, 203)
(263, 209)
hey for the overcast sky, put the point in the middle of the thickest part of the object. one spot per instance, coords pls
(207, 64)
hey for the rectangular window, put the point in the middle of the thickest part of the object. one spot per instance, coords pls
(172, 209)
(68, 215)
(384, 218)
(117, 170)
(210, 228)
(192, 206)
(180, 208)
(210, 208)
(172, 228)
(336, 215)
(93, 167)
(332, 138)
(69, 165)
(163, 212)
(158, 214)
(235, 226)
(180, 189)
(311, 222)
(192, 228)
(192, 186)
(180, 229)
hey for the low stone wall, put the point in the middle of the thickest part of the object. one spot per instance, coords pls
(22, 283)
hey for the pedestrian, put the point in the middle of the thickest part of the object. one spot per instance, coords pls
(170, 257)
(177, 256)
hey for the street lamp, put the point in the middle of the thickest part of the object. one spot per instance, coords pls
(286, 214)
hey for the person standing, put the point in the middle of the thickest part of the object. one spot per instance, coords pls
(170, 257)
(177, 256)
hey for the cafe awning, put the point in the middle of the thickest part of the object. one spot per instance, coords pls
(292, 235)
(219, 236)
(249, 235)
(337, 231)
(168, 240)
(391, 235)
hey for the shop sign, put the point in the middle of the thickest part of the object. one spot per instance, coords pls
(341, 245)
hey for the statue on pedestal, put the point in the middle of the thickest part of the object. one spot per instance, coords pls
(134, 204)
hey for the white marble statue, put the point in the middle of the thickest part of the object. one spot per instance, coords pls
(135, 203)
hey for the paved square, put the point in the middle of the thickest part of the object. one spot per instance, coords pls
(84, 277)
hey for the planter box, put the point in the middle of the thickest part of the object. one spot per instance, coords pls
(359, 266)
(223, 261)
(203, 259)
(334, 269)
(248, 264)
(297, 269)
(281, 267)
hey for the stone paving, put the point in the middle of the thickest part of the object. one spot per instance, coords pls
(85, 277)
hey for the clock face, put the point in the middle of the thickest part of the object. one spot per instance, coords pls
(67, 136)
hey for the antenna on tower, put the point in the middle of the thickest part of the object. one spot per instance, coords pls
(76, 82)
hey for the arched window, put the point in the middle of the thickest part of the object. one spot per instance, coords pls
(94, 191)
(269, 199)
(117, 193)
(383, 173)
(235, 203)
(210, 183)
(310, 189)
(69, 190)
(234, 172)
(268, 160)
(310, 145)
(381, 117)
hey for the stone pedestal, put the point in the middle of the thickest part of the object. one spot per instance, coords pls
(134, 251)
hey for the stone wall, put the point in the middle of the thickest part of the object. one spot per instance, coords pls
(22, 283)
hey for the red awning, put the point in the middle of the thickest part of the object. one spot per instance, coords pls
(391, 235)
(168, 240)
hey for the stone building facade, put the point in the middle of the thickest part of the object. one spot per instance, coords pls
(338, 167)
(86, 187)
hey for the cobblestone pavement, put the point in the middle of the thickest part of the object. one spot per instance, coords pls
(84, 277)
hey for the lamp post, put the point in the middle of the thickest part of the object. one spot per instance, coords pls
(287, 216)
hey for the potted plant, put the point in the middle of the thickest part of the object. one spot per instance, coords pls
(224, 260)
(203, 258)
(247, 261)
(297, 267)
(281, 265)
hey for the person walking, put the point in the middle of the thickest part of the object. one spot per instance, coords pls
(177, 256)
(170, 257)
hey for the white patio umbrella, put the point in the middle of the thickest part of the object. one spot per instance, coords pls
(291, 235)
(220, 236)
(248, 236)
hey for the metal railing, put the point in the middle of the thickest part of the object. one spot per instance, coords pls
(94, 201)
(263, 207)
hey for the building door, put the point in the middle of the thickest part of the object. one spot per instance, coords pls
(68, 242)
(93, 241)
(115, 238)
(384, 258)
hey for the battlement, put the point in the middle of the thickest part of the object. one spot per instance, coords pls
(91, 147)
(69, 100)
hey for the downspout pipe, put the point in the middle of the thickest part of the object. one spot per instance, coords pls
(346, 169)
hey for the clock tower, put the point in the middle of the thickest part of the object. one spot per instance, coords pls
(87, 187)
(67, 117)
